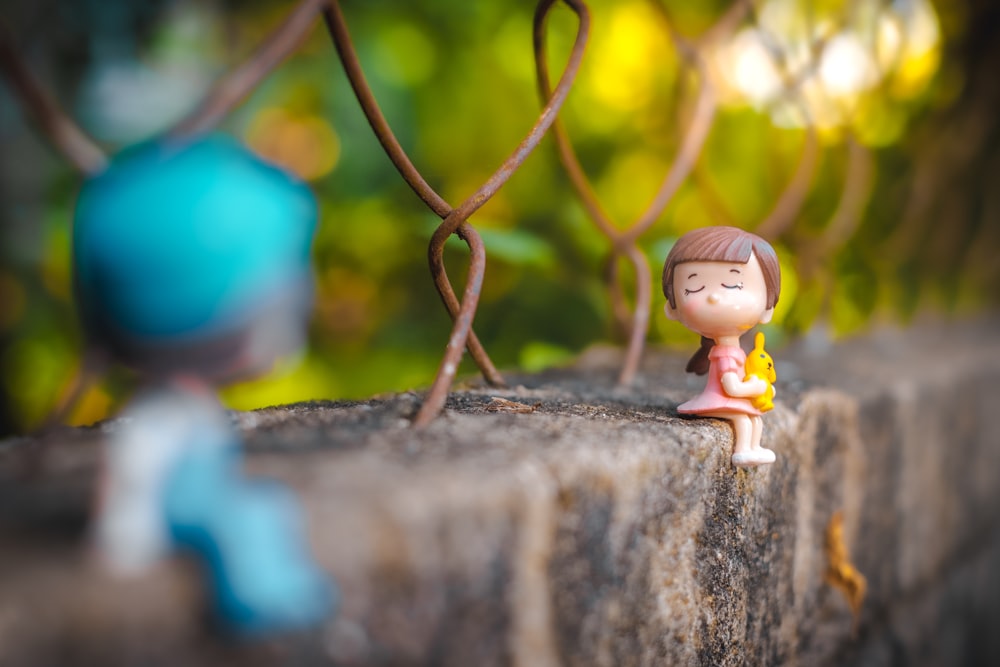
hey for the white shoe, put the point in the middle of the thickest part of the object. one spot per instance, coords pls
(754, 457)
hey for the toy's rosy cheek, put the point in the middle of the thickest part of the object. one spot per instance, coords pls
(691, 309)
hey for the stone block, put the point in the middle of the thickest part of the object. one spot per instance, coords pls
(600, 529)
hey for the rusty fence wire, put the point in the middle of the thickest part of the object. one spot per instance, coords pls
(632, 315)
(624, 241)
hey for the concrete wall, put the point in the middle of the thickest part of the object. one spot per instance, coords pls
(600, 529)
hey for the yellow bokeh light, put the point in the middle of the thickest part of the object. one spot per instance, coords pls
(306, 145)
(747, 70)
(95, 404)
(914, 72)
(837, 63)
(846, 67)
(300, 379)
(888, 41)
(626, 56)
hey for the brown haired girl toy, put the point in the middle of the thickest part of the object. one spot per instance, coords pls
(721, 282)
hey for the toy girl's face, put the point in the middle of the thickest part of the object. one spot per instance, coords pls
(717, 299)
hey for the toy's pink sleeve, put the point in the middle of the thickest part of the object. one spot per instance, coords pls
(730, 364)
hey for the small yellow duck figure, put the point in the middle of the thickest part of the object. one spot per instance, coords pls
(760, 364)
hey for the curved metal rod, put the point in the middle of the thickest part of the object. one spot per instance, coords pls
(855, 191)
(567, 154)
(702, 116)
(723, 27)
(462, 326)
(624, 242)
(694, 140)
(715, 204)
(476, 350)
(619, 302)
(544, 122)
(337, 26)
(640, 317)
(790, 202)
(463, 323)
(858, 181)
(634, 324)
(793, 197)
(233, 87)
(342, 42)
(67, 137)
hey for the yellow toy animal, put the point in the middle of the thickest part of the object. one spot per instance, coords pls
(760, 364)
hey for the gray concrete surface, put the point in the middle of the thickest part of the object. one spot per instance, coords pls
(600, 529)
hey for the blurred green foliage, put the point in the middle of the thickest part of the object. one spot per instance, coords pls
(456, 81)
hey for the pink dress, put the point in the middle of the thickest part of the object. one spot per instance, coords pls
(722, 359)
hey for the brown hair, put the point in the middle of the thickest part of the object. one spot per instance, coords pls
(720, 244)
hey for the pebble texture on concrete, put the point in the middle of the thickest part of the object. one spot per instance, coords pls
(597, 528)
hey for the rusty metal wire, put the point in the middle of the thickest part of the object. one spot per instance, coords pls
(813, 253)
(231, 89)
(455, 219)
(858, 182)
(86, 157)
(792, 198)
(383, 132)
(234, 87)
(790, 202)
(624, 241)
(66, 136)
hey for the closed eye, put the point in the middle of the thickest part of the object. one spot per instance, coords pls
(736, 286)
(693, 291)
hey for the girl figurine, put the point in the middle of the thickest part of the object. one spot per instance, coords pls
(721, 282)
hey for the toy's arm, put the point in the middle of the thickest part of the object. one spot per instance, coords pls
(738, 388)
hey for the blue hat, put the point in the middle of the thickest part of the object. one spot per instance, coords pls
(179, 250)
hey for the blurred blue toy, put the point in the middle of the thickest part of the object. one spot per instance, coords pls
(192, 267)
(194, 258)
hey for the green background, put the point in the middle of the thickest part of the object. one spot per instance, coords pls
(456, 81)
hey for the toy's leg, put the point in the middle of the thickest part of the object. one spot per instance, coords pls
(761, 455)
(747, 430)
(743, 437)
(249, 535)
(743, 431)
(758, 431)
(747, 451)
